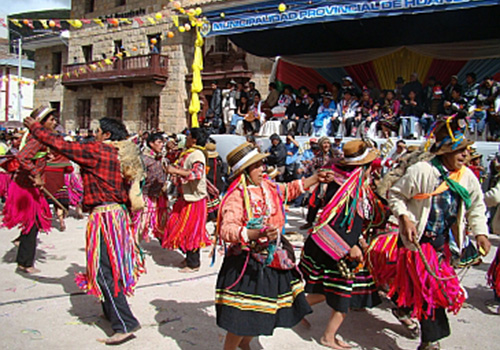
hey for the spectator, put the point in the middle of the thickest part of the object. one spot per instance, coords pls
(229, 103)
(326, 120)
(346, 111)
(374, 91)
(453, 83)
(240, 114)
(413, 85)
(478, 119)
(456, 104)
(336, 92)
(438, 99)
(292, 157)
(399, 152)
(488, 92)
(471, 90)
(427, 94)
(303, 93)
(398, 91)
(273, 96)
(411, 113)
(240, 92)
(311, 110)
(216, 101)
(277, 155)
(294, 113)
(285, 99)
(348, 85)
(321, 89)
(252, 91)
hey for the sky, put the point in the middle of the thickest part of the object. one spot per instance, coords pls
(8, 7)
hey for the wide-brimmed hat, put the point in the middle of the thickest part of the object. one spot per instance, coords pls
(449, 135)
(211, 150)
(42, 112)
(242, 157)
(400, 80)
(358, 152)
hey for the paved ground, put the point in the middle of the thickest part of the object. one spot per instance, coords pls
(177, 311)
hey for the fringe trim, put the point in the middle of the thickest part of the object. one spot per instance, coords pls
(150, 222)
(112, 222)
(493, 274)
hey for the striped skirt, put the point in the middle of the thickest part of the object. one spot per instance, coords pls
(259, 300)
(150, 222)
(322, 276)
(494, 275)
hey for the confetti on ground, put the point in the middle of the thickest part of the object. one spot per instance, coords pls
(168, 320)
(33, 333)
(187, 341)
(48, 246)
(13, 290)
(189, 329)
(31, 286)
(5, 314)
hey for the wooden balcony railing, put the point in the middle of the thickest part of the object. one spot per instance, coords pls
(142, 68)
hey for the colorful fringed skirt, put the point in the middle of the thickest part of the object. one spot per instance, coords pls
(5, 180)
(150, 222)
(417, 288)
(259, 300)
(382, 256)
(111, 224)
(74, 184)
(322, 276)
(494, 275)
(186, 226)
(25, 207)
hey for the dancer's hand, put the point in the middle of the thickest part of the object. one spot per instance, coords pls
(37, 181)
(325, 176)
(271, 232)
(28, 122)
(408, 228)
(484, 244)
(356, 254)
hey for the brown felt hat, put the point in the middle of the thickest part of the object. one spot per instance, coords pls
(449, 135)
(242, 157)
(358, 152)
(211, 150)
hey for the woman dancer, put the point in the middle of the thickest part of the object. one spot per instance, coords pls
(258, 289)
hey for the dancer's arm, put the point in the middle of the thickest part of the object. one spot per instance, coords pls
(83, 154)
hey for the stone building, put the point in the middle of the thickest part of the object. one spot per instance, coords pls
(147, 87)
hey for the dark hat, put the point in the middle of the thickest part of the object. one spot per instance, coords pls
(328, 95)
(449, 135)
(400, 80)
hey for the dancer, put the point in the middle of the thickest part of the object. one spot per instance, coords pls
(332, 256)
(150, 222)
(258, 289)
(114, 260)
(57, 167)
(186, 224)
(431, 199)
(492, 199)
(26, 205)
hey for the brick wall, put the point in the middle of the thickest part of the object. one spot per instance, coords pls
(49, 90)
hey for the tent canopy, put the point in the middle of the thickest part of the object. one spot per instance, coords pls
(364, 30)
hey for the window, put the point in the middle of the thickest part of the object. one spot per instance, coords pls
(118, 46)
(83, 114)
(121, 2)
(89, 6)
(157, 46)
(151, 112)
(56, 62)
(220, 44)
(115, 108)
(87, 53)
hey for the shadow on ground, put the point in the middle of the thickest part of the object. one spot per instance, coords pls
(160, 256)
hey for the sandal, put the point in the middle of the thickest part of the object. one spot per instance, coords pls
(429, 346)
(412, 327)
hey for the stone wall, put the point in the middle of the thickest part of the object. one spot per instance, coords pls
(261, 68)
(108, 7)
(49, 90)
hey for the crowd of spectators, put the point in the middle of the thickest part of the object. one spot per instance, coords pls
(408, 111)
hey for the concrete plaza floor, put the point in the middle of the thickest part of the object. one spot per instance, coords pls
(47, 310)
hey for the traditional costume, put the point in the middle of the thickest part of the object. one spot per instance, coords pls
(438, 201)
(185, 228)
(216, 172)
(150, 221)
(57, 167)
(492, 199)
(114, 259)
(350, 207)
(26, 206)
(258, 288)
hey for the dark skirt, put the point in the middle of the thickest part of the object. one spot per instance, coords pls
(322, 276)
(262, 300)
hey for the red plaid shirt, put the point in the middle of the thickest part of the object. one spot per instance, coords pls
(28, 166)
(100, 167)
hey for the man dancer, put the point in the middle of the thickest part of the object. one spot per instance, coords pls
(114, 261)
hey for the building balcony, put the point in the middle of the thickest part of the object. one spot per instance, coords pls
(128, 70)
